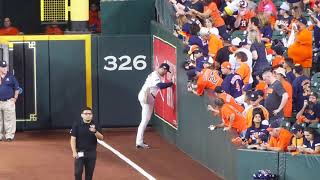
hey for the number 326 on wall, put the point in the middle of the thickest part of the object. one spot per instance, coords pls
(138, 63)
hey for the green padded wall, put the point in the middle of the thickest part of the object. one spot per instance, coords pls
(302, 167)
(67, 82)
(127, 16)
(119, 81)
(250, 161)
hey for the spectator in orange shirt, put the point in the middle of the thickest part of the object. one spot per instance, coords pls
(279, 140)
(53, 29)
(212, 10)
(301, 50)
(8, 29)
(262, 85)
(214, 41)
(280, 75)
(232, 120)
(244, 69)
(94, 18)
(207, 79)
(227, 98)
(278, 49)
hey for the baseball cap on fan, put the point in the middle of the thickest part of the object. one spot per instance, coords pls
(3, 64)
(165, 66)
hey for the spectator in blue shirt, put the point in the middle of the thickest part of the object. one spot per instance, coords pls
(301, 88)
(311, 142)
(257, 133)
(232, 83)
(289, 66)
(310, 110)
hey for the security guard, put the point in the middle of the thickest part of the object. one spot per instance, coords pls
(9, 91)
(84, 135)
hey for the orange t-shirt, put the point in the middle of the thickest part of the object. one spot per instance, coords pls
(214, 44)
(9, 31)
(54, 31)
(301, 50)
(227, 98)
(215, 14)
(287, 109)
(93, 17)
(262, 85)
(239, 122)
(278, 60)
(244, 72)
(283, 141)
(208, 79)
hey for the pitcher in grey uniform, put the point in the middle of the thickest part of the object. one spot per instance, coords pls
(9, 90)
(146, 98)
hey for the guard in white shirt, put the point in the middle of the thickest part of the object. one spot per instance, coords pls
(146, 97)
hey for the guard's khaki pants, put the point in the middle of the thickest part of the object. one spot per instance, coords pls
(7, 119)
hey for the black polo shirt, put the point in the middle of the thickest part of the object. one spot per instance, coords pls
(85, 139)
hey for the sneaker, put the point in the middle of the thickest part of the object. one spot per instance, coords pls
(142, 146)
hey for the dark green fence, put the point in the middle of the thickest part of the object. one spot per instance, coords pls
(127, 17)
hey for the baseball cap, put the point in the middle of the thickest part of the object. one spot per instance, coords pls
(273, 125)
(253, 96)
(303, 20)
(204, 31)
(285, 6)
(296, 128)
(236, 41)
(298, 68)
(281, 71)
(165, 66)
(218, 89)
(3, 64)
(193, 49)
(226, 65)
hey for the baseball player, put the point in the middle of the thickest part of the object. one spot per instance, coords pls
(146, 98)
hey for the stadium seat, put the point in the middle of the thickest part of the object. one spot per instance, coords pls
(238, 33)
(315, 83)
(285, 124)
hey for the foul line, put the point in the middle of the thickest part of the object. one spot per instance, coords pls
(132, 164)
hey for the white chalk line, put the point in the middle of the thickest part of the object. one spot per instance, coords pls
(124, 158)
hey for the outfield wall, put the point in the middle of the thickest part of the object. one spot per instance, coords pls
(61, 74)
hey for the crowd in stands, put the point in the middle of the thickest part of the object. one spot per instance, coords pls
(255, 59)
(94, 24)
